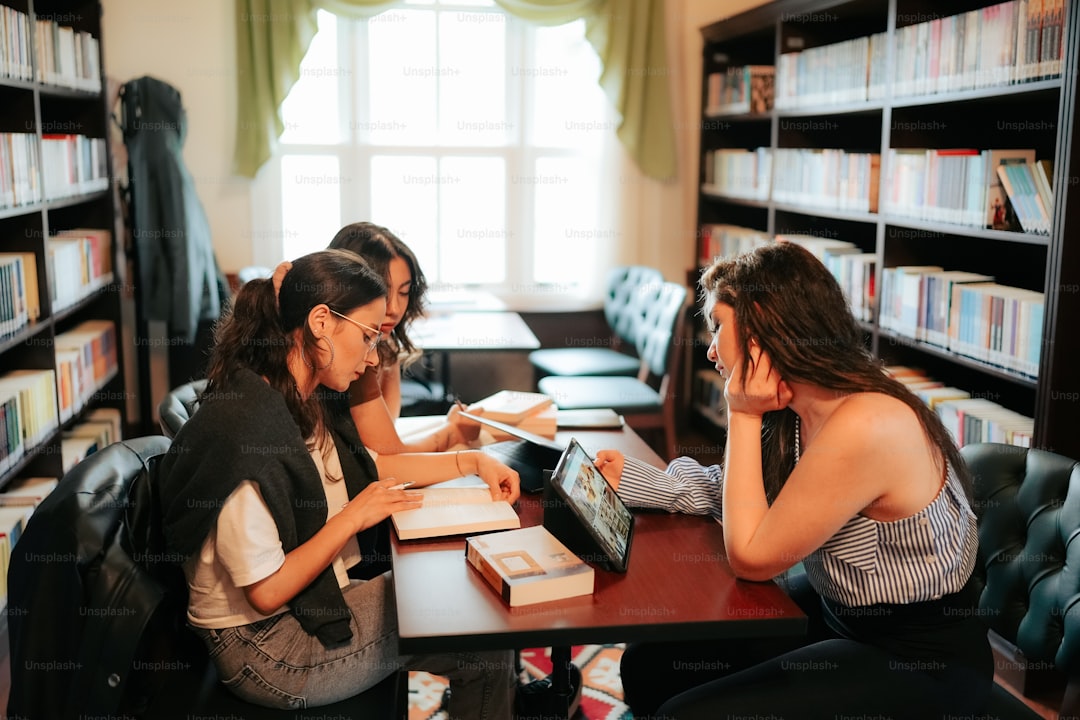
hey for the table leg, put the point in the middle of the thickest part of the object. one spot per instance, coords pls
(556, 697)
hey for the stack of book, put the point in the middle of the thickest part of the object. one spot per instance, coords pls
(17, 503)
(830, 74)
(826, 178)
(969, 417)
(15, 60)
(28, 412)
(965, 186)
(739, 173)
(724, 241)
(80, 263)
(101, 427)
(1010, 42)
(20, 304)
(743, 89)
(73, 165)
(965, 312)
(853, 269)
(67, 57)
(86, 360)
(530, 411)
(19, 163)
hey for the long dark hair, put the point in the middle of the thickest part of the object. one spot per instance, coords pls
(257, 333)
(378, 246)
(789, 302)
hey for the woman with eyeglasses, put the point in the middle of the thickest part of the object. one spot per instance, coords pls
(278, 509)
(375, 398)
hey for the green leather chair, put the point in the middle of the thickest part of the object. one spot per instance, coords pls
(624, 313)
(1028, 506)
(648, 400)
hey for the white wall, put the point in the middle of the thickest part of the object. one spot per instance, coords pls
(192, 46)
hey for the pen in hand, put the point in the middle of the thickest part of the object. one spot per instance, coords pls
(402, 485)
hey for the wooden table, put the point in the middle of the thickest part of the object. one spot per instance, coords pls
(678, 587)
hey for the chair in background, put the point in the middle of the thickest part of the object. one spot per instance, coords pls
(623, 313)
(1028, 506)
(648, 400)
(99, 629)
(178, 405)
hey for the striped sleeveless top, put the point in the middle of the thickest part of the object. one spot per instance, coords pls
(921, 557)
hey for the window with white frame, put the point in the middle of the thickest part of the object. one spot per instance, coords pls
(480, 139)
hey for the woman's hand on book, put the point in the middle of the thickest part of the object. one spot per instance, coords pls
(378, 501)
(462, 431)
(502, 480)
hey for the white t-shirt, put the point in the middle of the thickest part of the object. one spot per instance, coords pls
(244, 548)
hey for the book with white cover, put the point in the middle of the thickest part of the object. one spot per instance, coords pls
(529, 566)
(455, 508)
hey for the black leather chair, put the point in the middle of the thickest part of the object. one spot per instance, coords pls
(623, 312)
(179, 404)
(648, 400)
(1028, 505)
(96, 610)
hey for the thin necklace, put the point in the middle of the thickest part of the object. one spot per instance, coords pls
(796, 439)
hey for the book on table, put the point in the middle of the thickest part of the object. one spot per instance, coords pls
(455, 507)
(512, 406)
(529, 565)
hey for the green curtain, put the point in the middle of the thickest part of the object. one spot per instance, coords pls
(628, 35)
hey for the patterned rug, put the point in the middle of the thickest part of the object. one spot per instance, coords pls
(601, 696)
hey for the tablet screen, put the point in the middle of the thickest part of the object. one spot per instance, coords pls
(594, 501)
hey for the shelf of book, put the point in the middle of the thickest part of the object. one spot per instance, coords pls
(975, 145)
(60, 299)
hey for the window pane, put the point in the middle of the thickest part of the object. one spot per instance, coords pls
(310, 202)
(472, 78)
(311, 111)
(568, 104)
(404, 71)
(472, 228)
(567, 232)
(404, 198)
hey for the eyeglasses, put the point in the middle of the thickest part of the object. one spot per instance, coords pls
(372, 344)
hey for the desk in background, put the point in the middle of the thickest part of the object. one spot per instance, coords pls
(678, 587)
(470, 331)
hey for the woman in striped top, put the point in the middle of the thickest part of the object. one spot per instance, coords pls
(832, 464)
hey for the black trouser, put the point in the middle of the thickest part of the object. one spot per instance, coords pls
(820, 675)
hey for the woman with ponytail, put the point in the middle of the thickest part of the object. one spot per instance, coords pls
(375, 398)
(832, 464)
(278, 509)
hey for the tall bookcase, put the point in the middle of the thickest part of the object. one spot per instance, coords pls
(1036, 112)
(53, 97)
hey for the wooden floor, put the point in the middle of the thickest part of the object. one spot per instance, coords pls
(693, 443)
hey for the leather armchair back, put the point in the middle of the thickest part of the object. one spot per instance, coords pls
(661, 327)
(1028, 505)
(79, 604)
(623, 308)
(178, 405)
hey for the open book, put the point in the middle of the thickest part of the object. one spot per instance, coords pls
(455, 508)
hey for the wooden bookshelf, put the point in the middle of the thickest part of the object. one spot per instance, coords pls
(71, 105)
(991, 107)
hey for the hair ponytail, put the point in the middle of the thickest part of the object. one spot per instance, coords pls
(262, 327)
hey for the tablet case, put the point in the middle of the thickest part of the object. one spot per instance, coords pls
(562, 522)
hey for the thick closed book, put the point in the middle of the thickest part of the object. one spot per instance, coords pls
(455, 510)
(512, 406)
(529, 566)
